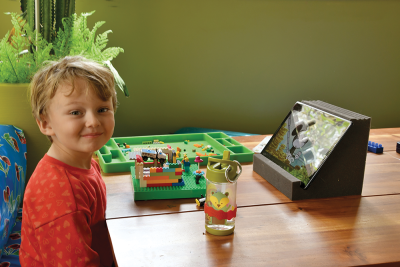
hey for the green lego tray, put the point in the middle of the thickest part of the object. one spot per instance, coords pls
(113, 159)
(189, 190)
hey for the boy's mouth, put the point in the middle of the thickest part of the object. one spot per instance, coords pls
(92, 135)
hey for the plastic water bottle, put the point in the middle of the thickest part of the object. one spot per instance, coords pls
(220, 208)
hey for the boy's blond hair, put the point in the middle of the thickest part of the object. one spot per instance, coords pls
(46, 81)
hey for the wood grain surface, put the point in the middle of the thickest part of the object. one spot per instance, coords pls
(345, 231)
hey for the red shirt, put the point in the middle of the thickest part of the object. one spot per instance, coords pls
(63, 221)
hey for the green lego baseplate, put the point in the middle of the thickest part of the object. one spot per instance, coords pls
(113, 159)
(189, 190)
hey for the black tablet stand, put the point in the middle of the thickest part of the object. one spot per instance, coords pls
(342, 174)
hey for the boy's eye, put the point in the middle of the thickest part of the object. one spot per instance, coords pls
(103, 110)
(75, 112)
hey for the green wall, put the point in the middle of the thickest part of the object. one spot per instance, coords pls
(240, 65)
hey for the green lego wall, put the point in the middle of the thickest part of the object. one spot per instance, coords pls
(240, 65)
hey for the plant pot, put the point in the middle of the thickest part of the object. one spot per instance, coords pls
(15, 110)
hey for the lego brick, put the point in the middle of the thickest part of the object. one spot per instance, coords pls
(178, 169)
(159, 169)
(186, 189)
(174, 165)
(169, 170)
(178, 173)
(139, 158)
(155, 178)
(375, 147)
(149, 164)
(159, 185)
(159, 174)
(153, 170)
(181, 183)
(142, 183)
(162, 181)
(171, 175)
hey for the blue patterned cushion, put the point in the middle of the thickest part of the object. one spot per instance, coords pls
(12, 179)
(11, 249)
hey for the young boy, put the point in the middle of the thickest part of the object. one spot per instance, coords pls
(73, 101)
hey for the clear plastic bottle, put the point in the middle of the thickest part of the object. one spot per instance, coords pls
(220, 207)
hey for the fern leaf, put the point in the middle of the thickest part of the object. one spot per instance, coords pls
(14, 66)
(93, 31)
(84, 18)
(63, 41)
(38, 55)
(8, 65)
(101, 40)
(118, 80)
(86, 43)
(111, 53)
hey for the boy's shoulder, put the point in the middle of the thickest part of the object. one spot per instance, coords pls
(96, 166)
(47, 170)
(52, 192)
(51, 169)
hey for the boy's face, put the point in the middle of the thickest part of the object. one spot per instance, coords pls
(80, 122)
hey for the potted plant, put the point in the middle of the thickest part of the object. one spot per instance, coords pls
(25, 49)
(61, 33)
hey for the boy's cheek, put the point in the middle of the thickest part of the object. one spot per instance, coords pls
(112, 122)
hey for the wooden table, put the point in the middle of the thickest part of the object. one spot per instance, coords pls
(271, 230)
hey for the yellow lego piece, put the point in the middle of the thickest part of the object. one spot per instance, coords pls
(143, 183)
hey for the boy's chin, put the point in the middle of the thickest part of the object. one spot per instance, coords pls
(90, 149)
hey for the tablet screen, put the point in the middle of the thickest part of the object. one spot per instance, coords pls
(304, 141)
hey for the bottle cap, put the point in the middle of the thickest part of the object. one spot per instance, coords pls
(223, 170)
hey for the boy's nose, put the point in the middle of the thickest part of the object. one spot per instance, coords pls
(92, 120)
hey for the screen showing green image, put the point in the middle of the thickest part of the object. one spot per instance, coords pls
(304, 141)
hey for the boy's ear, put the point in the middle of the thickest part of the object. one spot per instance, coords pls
(44, 126)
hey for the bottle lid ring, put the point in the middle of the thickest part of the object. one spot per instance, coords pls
(237, 174)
